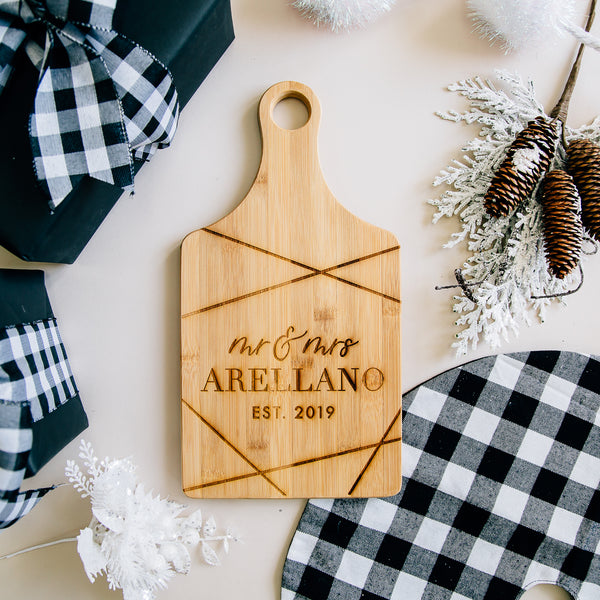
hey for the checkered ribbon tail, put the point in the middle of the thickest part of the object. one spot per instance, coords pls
(501, 466)
(102, 101)
(35, 379)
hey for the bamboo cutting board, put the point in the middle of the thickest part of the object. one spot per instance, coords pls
(290, 336)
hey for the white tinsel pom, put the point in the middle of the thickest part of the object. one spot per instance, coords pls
(520, 23)
(341, 15)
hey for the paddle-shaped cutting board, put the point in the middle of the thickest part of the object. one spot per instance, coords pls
(290, 336)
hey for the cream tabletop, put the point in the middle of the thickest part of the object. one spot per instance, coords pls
(381, 146)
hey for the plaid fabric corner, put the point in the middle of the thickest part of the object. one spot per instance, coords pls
(98, 12)
(15, 444)
(10, 40)
(34, 368)
(16, 8)
(35, 379)
(146, 91)
(501, 465)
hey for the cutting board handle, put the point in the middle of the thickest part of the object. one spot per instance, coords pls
(289, 89)
(286, 151)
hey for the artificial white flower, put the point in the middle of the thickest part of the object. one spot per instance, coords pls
(140, 541)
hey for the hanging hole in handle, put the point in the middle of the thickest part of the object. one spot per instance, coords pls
(291, 112)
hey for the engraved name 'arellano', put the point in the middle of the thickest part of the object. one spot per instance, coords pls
(263, 379)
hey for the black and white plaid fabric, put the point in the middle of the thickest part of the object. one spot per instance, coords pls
(501, 465)
(102, 101)
(35, 379)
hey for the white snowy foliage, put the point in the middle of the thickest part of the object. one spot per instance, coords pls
(140, 541)
(506, 254)
(340, 15)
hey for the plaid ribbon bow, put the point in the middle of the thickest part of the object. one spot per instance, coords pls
(102, 101)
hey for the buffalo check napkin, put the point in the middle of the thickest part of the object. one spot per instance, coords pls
(501, 465)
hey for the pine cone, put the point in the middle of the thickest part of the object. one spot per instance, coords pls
(562, 226)
(583, 164)
(527, 158)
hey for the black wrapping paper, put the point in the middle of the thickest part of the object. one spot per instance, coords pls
(23, 299)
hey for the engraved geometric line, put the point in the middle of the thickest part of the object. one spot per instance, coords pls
(299, 463)
(314, 272)
(375, 451)
(263, 250)
(238, 452)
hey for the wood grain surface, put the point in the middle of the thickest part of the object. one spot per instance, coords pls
(290, 336)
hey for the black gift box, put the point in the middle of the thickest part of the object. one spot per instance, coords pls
(23, 299)
(189, 36)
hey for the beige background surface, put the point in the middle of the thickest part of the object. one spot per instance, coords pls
(380, 146)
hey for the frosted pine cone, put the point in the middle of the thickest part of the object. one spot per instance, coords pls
(562, 225)
(583, 164)
(528, 157)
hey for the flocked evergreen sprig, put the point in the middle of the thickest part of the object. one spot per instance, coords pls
(506, 277)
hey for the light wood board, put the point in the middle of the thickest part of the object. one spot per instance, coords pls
(290, 336)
